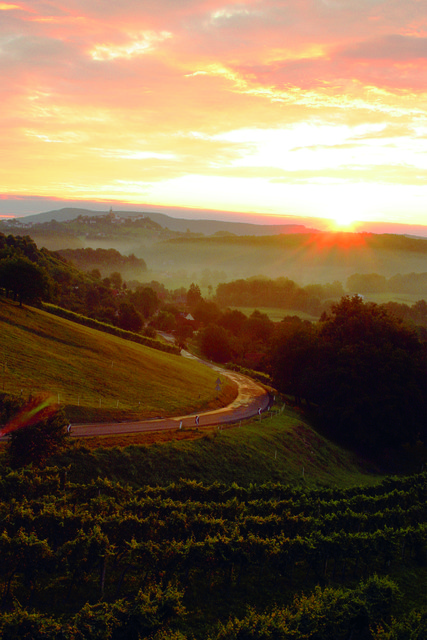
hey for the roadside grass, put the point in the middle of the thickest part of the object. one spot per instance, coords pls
(283, 448)
(97, 376)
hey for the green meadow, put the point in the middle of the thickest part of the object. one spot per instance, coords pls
(275, 314)
(97, 376)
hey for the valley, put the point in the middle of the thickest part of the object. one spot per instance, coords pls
(141, 522)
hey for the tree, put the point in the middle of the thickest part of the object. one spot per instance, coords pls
(145, 300)
(36, 432)
(26, 280)
(364, 370)
(371, 377)
(215, 343)
(184, 330)
(194, 295)
(233, 320)
(206, 312)
(164, 321)
(294, 360)
(259, 326)
(129, 318)
(116, 280)
(367, 283)
(95, 274)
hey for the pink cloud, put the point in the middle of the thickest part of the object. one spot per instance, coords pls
(88, 85)
(393, 47)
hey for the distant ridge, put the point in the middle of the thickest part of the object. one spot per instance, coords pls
(207, 227)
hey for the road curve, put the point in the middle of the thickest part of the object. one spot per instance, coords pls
(250, 398)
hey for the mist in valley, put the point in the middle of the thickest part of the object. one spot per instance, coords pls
(210, 261)
(183, 254)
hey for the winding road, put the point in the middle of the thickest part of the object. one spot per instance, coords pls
(250, 398)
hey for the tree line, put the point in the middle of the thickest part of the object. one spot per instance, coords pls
(360, 370)
(88, 259)
(399, 283)
(365, 372)
(28, 274)
(281, 293)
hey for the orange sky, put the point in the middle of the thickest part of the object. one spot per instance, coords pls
(286, 107)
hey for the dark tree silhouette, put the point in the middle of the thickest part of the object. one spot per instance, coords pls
(206, 312)
(233, 320)
(372, 376)
(365, 371)
(129, 318)
(145, 300)
(24, 279)
(215, 343)
(194, 295)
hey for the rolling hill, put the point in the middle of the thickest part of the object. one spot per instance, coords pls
(180, 251)
(96, 375)
(179, 224)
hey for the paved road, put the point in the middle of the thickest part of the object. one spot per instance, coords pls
(251, 397)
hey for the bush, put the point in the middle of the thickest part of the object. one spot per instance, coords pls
(36, 431)
(215, 343)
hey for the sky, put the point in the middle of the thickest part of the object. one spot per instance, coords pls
(314, 108)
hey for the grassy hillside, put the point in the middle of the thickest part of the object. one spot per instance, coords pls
(281, 447)
(97, 376)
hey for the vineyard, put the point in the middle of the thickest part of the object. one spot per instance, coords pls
(217, 562)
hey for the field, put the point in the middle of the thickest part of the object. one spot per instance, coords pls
(95, 375)
(218, 561)
(277, 315)
(402, 298)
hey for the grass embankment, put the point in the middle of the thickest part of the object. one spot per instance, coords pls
(97, 376)
(282, 448)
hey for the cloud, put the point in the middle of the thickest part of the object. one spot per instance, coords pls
(103, 93)
(32, 51)
(393, 48)
(136, 46)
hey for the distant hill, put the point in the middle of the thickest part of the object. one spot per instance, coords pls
(179, 251)
(207, 227)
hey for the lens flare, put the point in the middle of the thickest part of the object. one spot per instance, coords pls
(37, 409)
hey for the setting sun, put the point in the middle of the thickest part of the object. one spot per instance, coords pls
(343, 221)
(230, 106)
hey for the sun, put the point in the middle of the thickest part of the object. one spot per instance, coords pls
(346, 206)
(345, 210)
(343, 220)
